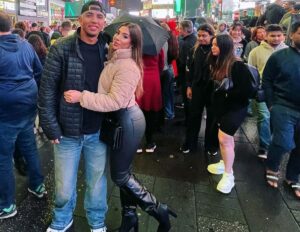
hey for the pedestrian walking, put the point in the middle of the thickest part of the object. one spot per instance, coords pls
(20, 70)
(281, 85)
(258, 58)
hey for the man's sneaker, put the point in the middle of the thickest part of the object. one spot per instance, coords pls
(39, 192)
(226, 183)
(103, 229)
(217, 168)
(61, 230)
(8, 212)
(139, 150)
(150, 147)
(262, 154)
(185, 149)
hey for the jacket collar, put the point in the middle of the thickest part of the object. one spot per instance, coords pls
(122, 54)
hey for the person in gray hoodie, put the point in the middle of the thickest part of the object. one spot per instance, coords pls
(222, 28)
(258, 58)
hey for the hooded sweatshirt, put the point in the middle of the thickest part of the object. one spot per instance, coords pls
(225, 32)
(19, 65)
(259, 56)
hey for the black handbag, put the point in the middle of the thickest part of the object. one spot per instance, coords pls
(111, 133)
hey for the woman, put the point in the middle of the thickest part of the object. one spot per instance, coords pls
(197, 82)
(120, 82)
(39, 47)
(151, 101)
(236, 32)
(231, 89)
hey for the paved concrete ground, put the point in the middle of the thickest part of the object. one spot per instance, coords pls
(183, 182)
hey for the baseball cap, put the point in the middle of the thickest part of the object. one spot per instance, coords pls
(93, 5)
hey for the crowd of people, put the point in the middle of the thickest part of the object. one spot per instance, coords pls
(77, 77)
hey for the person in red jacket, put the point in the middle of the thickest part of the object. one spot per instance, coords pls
(151, 101)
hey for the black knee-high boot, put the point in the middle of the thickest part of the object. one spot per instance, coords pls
(130, 221)
(148, 203)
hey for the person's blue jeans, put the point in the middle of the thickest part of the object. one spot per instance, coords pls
(66, 160)
(263, 124)
(17, 133)
(285, 138)
(167, 83)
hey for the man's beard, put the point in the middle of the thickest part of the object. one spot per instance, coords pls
(91, 35)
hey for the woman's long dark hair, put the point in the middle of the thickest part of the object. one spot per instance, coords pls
(220, 66)
(38, 45)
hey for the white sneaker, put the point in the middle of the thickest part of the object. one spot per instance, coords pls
(139, 150)
(217, 168)
(63, 230)
(103, 229)
(226, 183)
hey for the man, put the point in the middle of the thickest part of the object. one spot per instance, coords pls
(19, 66)
(289, 7)
(65, 28)
(245, 18)
(281, 82)
(258, 58)
(273, 14)
(187, 41)
(35, 30)
(75, 62)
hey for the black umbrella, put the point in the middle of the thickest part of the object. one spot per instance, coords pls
(154, 36)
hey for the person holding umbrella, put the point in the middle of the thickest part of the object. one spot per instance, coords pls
(119, 85)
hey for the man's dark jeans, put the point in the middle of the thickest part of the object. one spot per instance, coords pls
(286, 138)
(19, 132)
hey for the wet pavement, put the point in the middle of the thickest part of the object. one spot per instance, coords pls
(181, 181)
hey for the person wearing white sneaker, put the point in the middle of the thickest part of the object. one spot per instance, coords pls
(119, 86)
(216, 168)
(230, 98)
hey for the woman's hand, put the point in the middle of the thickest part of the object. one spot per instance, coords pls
(72, 96)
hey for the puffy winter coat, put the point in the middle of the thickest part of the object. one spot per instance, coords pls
(63, 70)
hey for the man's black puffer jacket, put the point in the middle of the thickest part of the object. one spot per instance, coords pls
(63, 70)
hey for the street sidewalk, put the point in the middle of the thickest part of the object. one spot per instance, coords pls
(181, 181)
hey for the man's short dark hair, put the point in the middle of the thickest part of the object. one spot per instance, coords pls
(295, 26)
(274, 27)
(34, 25)
(19, 32)
(297, 6)
(291, 3)
(66, 24)
(89, 6)
(5, 22)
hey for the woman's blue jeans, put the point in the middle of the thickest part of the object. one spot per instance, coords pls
(66, 157)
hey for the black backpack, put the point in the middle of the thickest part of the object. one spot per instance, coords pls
(257, 91)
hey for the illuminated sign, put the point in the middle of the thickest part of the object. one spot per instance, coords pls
(162, 2)
(8, 5)
(27, 8)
